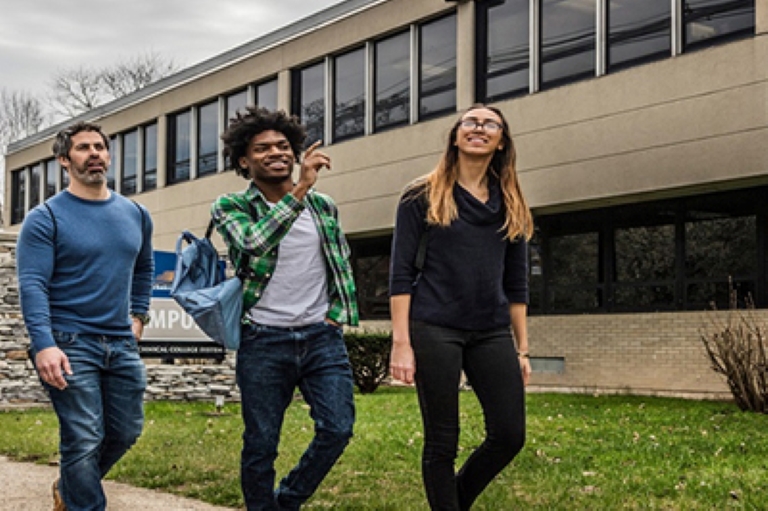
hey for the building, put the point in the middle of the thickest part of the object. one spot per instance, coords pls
(640, 129)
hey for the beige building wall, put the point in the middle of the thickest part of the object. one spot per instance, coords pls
(688, 124)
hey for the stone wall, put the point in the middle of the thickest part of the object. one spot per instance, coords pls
(19, 382)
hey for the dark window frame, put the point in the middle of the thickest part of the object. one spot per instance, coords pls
(297, 102)
(149, 172)
(129, 184)
(605, 222)
(362, 106)
(420, 93)
(174, 164)
(207, 163)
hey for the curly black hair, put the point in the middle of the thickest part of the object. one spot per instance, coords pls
(244, 126)
(63, 142)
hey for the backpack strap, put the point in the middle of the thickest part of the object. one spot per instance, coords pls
(243, 270)
(55, 225)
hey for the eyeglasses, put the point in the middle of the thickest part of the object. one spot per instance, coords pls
(487, 126)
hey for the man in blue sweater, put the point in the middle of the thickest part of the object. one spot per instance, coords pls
(85, 272)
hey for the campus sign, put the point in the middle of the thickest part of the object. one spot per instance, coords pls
(171, 332)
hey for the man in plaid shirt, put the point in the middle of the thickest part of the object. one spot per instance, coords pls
(298, 296)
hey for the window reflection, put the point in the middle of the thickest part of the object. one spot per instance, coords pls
(129, 155)
(311, 101)
(392, 68)
(51, 171)
(349, 95)
(567, 40)
(679, 254)
(645, 267)
(18, 195)
(178, 147)
(150, 157)
(507, 55)
(638, 31)
(207, 138)
(708, 21)
(437, 80)
(235, 102)
(574, 274)
(113, 152)
(266, 95)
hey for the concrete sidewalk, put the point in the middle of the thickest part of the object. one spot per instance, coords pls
(27, 487)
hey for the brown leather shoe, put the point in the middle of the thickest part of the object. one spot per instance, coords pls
(58, 503)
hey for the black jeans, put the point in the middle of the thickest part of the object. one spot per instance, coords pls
(490, 362)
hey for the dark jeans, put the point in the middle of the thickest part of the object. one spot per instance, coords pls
(490, 362)
(100, 412)
(271, 363)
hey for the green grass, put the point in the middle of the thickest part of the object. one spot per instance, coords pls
(582, 453)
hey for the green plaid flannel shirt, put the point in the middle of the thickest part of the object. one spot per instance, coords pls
(250, 227)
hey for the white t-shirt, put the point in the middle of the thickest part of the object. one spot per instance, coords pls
(297, 293)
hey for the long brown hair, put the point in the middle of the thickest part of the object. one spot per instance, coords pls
(438, 185)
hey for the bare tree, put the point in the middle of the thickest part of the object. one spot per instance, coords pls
(134, 74)
(21, 115)
(75, 91)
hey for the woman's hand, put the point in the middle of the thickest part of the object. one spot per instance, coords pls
(402, 364)
(525, 369)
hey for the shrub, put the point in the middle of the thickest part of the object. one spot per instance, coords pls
(737, 349)
(369, 356)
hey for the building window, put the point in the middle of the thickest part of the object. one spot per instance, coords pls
(645, 267)
(574, 270)
(309, 100)
(567, 41)
(349, 95)
(149, 157)
(370, 265)
(51, 172)
(235, 102)
(638, 31)
(266, 94)
(437, 67)
(720, 253)
(392, 81)
(129, 161)
(504, 44)
(179, 147)
(64, 178)
(679, 254)
(18, 195)
(207, 138)
(710, 21)
(35, 180)
(114, 154)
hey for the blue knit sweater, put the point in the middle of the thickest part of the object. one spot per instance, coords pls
(87, 272)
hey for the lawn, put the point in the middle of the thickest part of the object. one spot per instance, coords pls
(583, 452)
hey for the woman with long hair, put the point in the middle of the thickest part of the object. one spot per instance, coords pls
(458, 296)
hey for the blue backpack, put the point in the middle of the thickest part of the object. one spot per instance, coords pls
(200, 287)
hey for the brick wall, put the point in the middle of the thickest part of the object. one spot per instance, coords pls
(650, 353)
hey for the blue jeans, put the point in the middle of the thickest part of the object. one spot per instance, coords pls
(490, 362)
(100, 412)
(271, 363)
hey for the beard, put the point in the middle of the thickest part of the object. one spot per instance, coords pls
(87, 177)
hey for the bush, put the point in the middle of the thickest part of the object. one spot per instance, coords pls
(738, 348)
(369, 356)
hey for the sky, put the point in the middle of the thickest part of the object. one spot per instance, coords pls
(39, 37)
